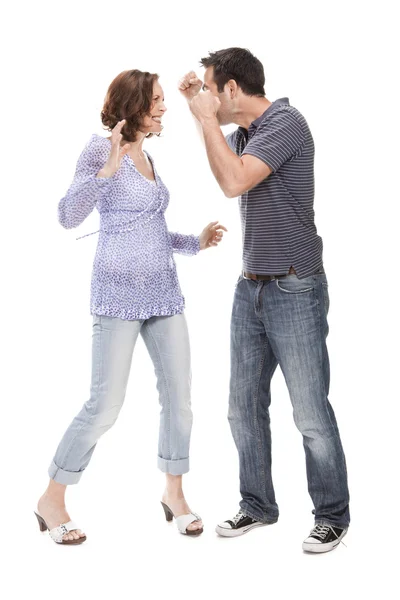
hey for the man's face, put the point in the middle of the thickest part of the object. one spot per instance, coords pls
(225, 112)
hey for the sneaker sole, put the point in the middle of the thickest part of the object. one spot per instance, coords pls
(319, 548)
(223, 532)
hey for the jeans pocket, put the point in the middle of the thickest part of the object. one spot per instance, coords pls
(291, 284)
(239, 280)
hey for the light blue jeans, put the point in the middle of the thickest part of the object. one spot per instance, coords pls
(114, 339)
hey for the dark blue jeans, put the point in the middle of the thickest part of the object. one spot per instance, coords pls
(284, 322)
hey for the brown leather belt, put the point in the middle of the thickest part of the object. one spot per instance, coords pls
(267, 277)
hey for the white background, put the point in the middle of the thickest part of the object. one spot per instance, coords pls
(336, 63)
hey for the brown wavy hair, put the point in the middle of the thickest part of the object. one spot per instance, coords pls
(129, 96)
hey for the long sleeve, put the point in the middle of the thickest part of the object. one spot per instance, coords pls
(185, 244)
(85, 188)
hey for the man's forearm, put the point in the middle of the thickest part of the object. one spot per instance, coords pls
(226, 166)
(199, 129)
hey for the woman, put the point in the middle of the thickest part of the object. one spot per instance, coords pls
(134, 290)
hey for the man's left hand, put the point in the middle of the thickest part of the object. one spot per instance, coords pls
(205, 106)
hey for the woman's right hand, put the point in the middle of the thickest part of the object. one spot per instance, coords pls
(116, 153)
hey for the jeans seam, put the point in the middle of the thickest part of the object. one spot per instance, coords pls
(256, 403)
(256, 406)
(320, 360)
(318, 293)
(167, 391)
(68, 451)
(322, 338)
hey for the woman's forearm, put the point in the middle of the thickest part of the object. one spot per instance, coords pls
(185, 244)
(80, 200)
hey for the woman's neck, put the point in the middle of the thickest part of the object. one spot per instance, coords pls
(136, 147)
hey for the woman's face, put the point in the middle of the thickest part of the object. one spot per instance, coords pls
(152, 122)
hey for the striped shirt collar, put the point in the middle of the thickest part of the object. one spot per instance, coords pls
(256, 123)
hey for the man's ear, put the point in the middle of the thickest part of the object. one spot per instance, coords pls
(233, 88)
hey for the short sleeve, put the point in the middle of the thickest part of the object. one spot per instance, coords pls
(231, 140)
(277, 139)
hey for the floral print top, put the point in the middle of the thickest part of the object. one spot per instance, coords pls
(134, 273)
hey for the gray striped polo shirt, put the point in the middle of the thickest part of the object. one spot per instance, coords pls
(277, 215)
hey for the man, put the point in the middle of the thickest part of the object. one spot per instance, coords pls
(281, 301)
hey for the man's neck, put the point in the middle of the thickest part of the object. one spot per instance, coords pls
(251, 108)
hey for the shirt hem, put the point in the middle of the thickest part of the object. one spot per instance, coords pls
(301, 272)
(135, 315)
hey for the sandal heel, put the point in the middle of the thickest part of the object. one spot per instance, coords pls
(168, 513)
(42, 523)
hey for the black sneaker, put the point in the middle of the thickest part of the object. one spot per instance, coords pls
(323, 538)
(238, 525)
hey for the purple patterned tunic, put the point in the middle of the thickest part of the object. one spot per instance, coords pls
(134, 273)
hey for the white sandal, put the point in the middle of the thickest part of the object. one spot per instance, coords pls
(183, 521)
(57, 533)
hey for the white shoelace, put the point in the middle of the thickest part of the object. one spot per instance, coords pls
(321, 531)
(237, 518)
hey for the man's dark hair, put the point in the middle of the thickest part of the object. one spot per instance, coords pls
(238, 64)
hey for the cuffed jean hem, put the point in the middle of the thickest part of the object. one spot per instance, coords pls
(267, 520)
(332, 524)
(173, 467)
(64, 477)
